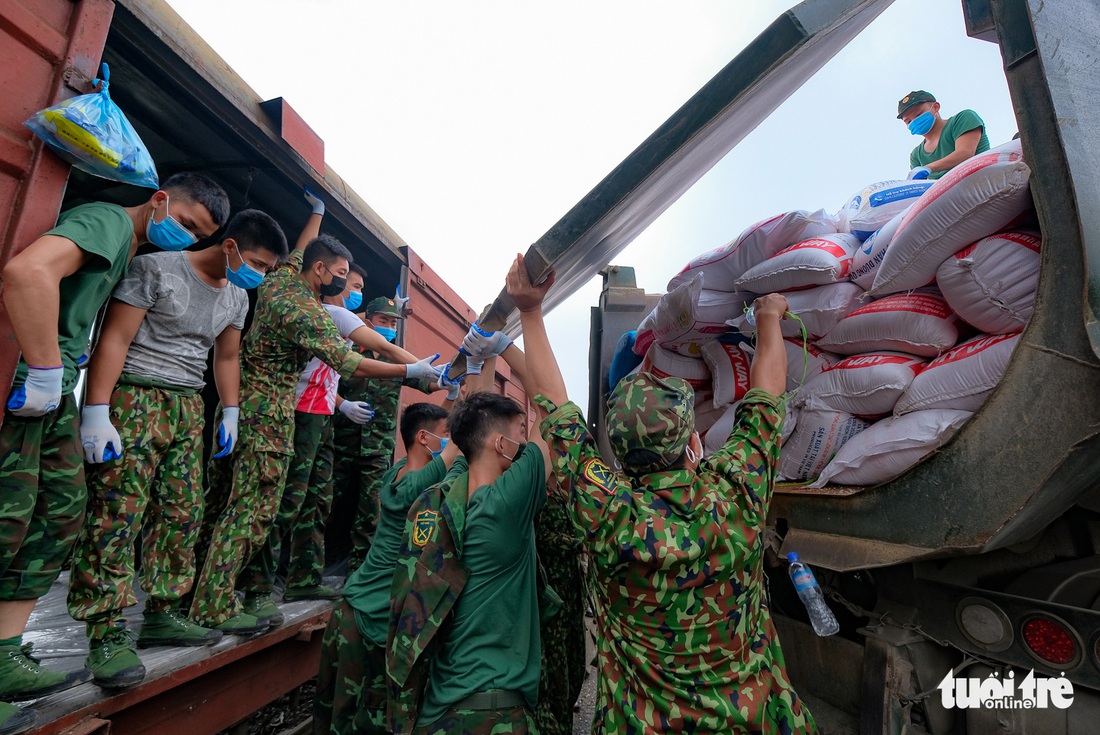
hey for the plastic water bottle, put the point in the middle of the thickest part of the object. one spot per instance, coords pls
(750, 316)
(821, 617)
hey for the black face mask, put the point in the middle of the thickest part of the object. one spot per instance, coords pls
(335, 287)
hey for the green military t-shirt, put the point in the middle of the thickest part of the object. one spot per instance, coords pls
(493, 639)
(368, 588)
(956, 125)
(104, 231)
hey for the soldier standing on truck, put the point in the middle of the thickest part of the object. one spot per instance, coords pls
(685, 642)
(947, 143)
(244, 490)
(52, 291)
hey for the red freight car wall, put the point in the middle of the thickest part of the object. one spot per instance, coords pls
(436, 321)
(46, 44)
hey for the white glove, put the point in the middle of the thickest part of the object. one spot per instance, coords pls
(423, 370)
(482, 345)
(39, 394)
(399, 299)
(314, 201)
(98, 435)
(227, 430)
(356, 411)
(451, 386)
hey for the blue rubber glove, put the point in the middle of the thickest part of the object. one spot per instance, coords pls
(357, 411)
(39, 394)
(399, 299)
(314, 201)
(423, 370)
(98, 435)
(920, 172)
(227, 430)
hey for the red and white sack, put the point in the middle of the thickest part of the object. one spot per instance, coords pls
(729, 371)
(992, 283)
(864, 385)
(719, 433)
(682, 318)
(819, 309)
(918, 323)
(867, 259)
(875, 205)
(803, 363)
(722, 266)
(891, 447)
(813, 262)
(962, 378)
(977, 198)
(819, 434)
(666, 363)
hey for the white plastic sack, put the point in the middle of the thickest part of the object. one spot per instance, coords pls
(979, 197)
(805, 361)
(962, 378)
(876, 204)
(687, 316)
(867, 259)
(865, 385)
(819, 309)
(813, 262)
(918, 323)
(666, 363)
(706, 412)
(891, 447)
(729, 370)
(719, 433)
(992, 283)
(819, 434)
(722, 266)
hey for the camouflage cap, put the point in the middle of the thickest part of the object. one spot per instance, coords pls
(383, 305)
(651, 413)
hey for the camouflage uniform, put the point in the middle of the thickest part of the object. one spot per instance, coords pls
(685, 639)
(563, 654)
(289, 326)
(351, 692)
(156, 478)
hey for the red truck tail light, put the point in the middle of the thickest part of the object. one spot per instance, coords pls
(1050, 640)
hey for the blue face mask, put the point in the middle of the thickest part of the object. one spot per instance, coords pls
(169, 234)
(922, 123)
(245, 276)
(443, 442)
(352, 302)
(388, 332)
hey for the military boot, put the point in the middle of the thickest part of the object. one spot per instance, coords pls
(172, 628)
(313, 592)
(14, 721)
(22, 678)
(113, 660)
(263, 607)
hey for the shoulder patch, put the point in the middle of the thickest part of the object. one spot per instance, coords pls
(423, 526)
(600, 475)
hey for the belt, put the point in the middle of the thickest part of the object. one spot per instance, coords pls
(492, 699)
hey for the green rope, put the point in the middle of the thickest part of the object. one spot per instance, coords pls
(750, 317)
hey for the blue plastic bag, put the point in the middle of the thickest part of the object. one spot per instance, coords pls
(91, 133)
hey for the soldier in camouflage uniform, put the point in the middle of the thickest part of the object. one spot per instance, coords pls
(290, 325)
(52, 290)
(685, 641)
(364, 452)
(163, 319)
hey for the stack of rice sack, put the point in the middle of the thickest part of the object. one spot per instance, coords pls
(913, 297)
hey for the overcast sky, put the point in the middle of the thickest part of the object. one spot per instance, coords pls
(471, 127)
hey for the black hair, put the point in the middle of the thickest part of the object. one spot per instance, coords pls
(417, 416)
(256, 230)
(360, 270)
(201, 190)
(326, 249)
(475, 418)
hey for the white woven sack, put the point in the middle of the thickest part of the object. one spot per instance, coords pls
(992, 283)
(706, 412)
(666, 363)
(891, 447)
(865, 385)
(819, 309)
(961, 378)
(729, 369)
(678, 323)
(722, 266)
(805, 361)
(977, 198)
(918, 323)
(813, 262)
(719, 433)
(819, 434)
(869, 256)
(873, 206)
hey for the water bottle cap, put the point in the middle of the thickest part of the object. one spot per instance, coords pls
(793, 556)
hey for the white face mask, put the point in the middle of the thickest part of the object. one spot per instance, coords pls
(520, 446)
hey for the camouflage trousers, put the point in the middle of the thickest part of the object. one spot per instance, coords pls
(155, 489)
(516, 720)
(42, 499)
(242, 498)
(362, 475)
(305, 505)
(351, 684)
